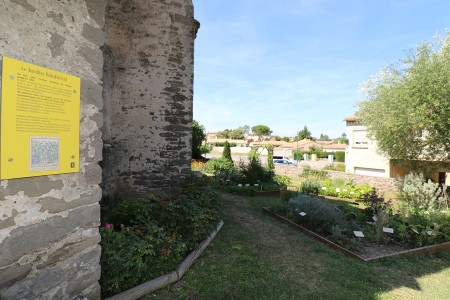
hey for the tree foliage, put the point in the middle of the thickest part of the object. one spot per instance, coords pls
(226, 154)
(198, 136)
(270, 164)
(261, 130)
(235, 134)
(324, 137)
(408, 106)
(303, 134)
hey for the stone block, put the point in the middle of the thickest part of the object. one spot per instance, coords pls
(13, 273)
(93, 34)
(46, 233)
(32, 187)
(60, 281)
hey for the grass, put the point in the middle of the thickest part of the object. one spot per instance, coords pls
(255, 257)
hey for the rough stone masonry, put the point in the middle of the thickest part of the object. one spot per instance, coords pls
(135, 61)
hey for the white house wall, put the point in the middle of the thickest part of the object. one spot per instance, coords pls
(364, 160)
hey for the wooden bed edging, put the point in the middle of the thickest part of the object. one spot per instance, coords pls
(279, 192)
(413, 252)
(172, 277)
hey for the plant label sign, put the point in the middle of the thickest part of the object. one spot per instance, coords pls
(388, 230)
(39, 121)
(302, 213)
(358, 234)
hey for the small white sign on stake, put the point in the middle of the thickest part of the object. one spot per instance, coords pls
(302, 213)
(430, 232)
(388, 230)
(358, 234)
(375, 218)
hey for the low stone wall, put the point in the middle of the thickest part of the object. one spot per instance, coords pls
(387, 185)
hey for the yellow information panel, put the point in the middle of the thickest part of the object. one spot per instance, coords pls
(40, 121)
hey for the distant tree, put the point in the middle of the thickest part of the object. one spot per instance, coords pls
(227, 151)
(198, 136)
(341, 140)
(261, 130)
(225, 134)
(324, 137)
(245, 129)
(286, 138)
(407, 107)
(303, 134)
(276, 137)
(236, 134)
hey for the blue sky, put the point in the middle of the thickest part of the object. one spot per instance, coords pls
(290, 63)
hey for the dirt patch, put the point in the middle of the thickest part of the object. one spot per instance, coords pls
(373, 250)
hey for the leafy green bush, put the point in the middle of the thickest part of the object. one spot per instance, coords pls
(339, 188)
(420, 194)
(151, 236)
(310, 186)
(314, 174)
(339, 156)
(215, 165)
(283, 179)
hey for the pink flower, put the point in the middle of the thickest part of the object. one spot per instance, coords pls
(163, 202)
(108, 226)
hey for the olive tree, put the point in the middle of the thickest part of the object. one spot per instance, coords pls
(407, 106)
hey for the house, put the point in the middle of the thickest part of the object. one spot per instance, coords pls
(211, 135)
(362, 157)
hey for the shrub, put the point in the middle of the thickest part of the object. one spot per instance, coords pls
(310, 186)
(220, 144)
(254, 172)
(214, 165)
(226, 154)
(314, 174)
(339, 156)
(283, 179)
(320, 215)
(418, 193)
(335, 167)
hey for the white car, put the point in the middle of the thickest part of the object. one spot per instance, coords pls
(284, 162)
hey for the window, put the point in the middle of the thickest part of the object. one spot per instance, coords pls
(360, 138)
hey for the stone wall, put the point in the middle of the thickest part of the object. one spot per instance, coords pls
(148, 96)
(49, 224)
(387, 185)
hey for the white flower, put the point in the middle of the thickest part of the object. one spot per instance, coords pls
(247, 184)
(352, 193)
(239, 185)
(344, 190)
(256, 184)
(338, 190)
(324, 188)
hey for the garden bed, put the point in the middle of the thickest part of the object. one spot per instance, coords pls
(169, 278)
(369, 251)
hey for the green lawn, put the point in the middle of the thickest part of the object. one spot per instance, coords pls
(255, 257)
